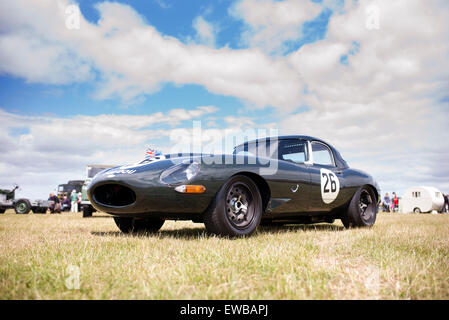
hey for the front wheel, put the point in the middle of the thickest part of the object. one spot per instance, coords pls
(236, 209)
(417, 210)
(134, 225)
(362, 210)
(22, 206)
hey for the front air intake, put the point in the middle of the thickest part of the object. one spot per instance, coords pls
(114, 195)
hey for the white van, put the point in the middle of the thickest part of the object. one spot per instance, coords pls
(422, 199)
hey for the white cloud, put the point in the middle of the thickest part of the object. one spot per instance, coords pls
(163, 4)
(271, 23)
(133, 58)
(53, 150)
(205, 31)
(383, 109)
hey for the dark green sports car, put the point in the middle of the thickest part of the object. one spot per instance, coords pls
(289, 179)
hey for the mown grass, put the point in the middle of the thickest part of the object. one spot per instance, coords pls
(402, 257)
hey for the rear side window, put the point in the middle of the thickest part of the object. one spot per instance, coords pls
(293, 150)
(322, 155)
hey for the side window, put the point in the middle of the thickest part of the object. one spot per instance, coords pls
(293, 150)
(322, 155)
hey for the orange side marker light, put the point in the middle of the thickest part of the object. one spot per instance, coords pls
(190, 188)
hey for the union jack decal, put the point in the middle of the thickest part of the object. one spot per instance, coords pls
(151, 153)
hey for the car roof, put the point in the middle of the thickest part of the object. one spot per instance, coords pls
(338, 158)
(285, 138)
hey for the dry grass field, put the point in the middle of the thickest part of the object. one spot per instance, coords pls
(402, 257)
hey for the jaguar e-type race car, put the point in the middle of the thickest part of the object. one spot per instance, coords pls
(289, 179)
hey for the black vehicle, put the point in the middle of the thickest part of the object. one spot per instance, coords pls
(290, 179)
(67, 188)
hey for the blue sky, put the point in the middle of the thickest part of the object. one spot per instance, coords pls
(138, 73)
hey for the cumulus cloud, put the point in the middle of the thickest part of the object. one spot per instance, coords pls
(383, 107)
(205, 31)
(271, 23)
(47, 151)
(133, 58)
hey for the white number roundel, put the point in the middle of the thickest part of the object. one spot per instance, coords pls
(330, 186)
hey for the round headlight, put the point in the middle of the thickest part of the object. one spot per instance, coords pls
(180, 173)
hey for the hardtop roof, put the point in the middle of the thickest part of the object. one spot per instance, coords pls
(284, 138)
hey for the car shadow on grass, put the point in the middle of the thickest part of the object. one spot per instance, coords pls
(184, 233)
(300, 227)
(201, 232)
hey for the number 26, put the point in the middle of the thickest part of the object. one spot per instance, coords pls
(329, 178)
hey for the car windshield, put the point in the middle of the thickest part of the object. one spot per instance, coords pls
(293, 150)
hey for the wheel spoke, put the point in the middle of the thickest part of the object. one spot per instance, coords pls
(365, 202)
(238, 204)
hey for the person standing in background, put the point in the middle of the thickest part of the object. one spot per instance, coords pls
(387, 202)
(446, 203)
(66, 204)
(74, 199)
(80, 196)
(395, 202)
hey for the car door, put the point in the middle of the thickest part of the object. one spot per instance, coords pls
(292, 183)
(326, 179)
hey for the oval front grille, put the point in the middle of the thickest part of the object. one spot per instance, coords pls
(114, 195)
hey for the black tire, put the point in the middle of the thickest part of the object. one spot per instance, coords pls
(329, 220)
(134, 225)
(2, 211)
(22, 206)
(362, 210)
(227, 216)
(417, 210)
(87, 211)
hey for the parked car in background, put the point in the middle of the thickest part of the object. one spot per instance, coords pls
(65, 190)
(21, 206)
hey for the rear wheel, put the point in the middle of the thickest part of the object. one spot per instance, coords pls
(133, 225)
(2, 211)
(362, 210)
(236, 209)
(22, 206)
(417, 210)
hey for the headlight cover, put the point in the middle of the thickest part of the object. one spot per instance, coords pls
(180, 173)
